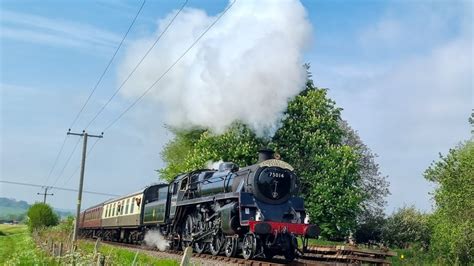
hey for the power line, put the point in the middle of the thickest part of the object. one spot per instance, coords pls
(58, 188)
(136, 66)
(93, 90)
(77, 168)
(67, 162)
(56, 160)
(108, 65)
(169, 68)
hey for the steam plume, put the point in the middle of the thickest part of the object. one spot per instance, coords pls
(153, 238)
(245, 68)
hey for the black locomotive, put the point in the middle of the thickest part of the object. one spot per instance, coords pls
(255, 210)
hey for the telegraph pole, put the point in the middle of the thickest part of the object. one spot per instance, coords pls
(45, 194)
(81, 180)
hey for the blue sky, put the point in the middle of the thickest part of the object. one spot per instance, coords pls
(402, 71)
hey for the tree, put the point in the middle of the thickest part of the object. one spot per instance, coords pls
(41, 215)
(196, 148)
(374, 186)
(310, 139)
(407, 227)
(453, 219)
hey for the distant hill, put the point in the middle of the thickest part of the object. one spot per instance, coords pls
(12, 209)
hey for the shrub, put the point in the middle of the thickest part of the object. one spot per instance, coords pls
(407, 227)
(41, 215)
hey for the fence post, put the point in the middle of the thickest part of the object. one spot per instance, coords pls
(96, 247)
(60, 249)
(100, 260)
(135, 259)
(188, 252)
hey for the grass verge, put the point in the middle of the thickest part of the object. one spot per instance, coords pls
(18, 248)
(121, 256)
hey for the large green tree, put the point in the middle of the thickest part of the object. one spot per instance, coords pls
(311, 139)
(453, 219)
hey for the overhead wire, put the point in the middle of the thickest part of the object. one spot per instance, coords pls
(93, 90)
(108, 65)
(56, 160)
(77, 168)
(67, 161)
(136, 66)
(58, 188)
(168, 69)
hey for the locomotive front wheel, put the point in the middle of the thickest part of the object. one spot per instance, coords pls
(249, 246)
(231, 246)
(216, 244)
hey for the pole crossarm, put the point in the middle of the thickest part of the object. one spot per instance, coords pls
(45, 194)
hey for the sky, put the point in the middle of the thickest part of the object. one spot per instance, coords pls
(401, 70)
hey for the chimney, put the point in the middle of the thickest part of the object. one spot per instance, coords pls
(265, 154)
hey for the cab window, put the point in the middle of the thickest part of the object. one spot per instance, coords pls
(162, 193)
(184, 183)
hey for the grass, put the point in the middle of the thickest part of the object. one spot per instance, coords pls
(120, 256)
(18, 248)
(322, 242)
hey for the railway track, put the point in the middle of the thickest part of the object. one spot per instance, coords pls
(208, 259)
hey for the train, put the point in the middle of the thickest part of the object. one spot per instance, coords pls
(253, 211)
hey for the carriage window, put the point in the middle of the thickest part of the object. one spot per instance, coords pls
(127, 206)
(118, 209)
(122, 207)
(133, 205)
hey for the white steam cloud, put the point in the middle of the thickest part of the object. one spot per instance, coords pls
(213, 165)
(154, 238)
(245, 68)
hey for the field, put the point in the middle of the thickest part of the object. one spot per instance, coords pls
(125, 256)
(17, 247)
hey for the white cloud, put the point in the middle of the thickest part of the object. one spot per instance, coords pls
(57, 32)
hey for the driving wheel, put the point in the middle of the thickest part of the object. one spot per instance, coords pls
(216, 244)
(249, 246)
(231, 246)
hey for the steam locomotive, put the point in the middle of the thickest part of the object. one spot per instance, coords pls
(255, 210)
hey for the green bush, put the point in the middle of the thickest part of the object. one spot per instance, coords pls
(41, 215)
(453, 220)
(407, 227)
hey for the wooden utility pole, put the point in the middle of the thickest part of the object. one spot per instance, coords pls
(45, 194)
(81, 180)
